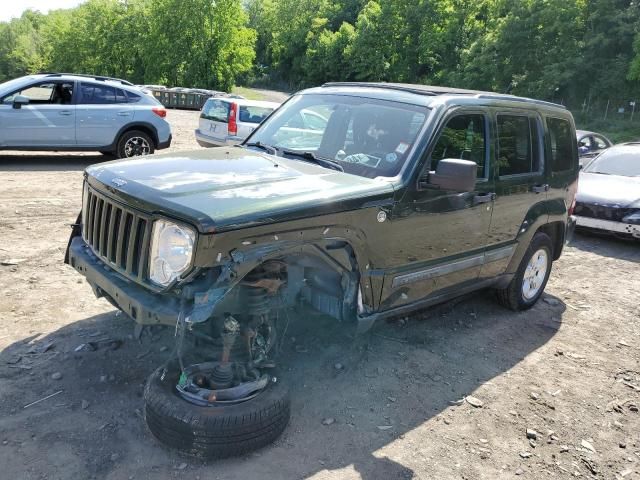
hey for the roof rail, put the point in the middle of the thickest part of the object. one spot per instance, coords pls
(431, 90)
(513, 98)
(99, 78)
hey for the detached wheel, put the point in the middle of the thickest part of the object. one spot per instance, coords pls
(217, 431)
(532, 275)
(134, 143)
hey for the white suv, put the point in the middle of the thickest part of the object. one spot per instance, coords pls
(228, 121)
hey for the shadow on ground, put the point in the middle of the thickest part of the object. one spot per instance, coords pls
(389, 383)
(49, 161)
(607, 245)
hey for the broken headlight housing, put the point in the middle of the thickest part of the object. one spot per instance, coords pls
(171, 251)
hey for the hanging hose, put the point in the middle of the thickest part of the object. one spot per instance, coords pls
(176, 352)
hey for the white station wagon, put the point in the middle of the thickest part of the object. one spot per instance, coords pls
(228, 121)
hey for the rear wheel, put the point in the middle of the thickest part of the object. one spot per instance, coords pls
(532, 275)
(134, 143)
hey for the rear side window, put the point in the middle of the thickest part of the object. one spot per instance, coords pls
(562, 144)
(97, 94)
(518, 145)
(462, 138)
(215, 110)
(253, 114)
(133, 97)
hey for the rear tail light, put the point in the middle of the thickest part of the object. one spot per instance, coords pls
(233, 124)
(573, 190)
(161, 112)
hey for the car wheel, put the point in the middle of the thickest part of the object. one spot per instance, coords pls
(532, 275)
(134, 143)
(216, 431)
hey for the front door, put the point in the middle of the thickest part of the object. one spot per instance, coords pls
(48, 120)
(440, 235)
(521, 186)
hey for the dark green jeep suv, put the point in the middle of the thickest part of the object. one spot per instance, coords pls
(360, 200)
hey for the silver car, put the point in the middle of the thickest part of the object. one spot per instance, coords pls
(68, 112)
(227, 121)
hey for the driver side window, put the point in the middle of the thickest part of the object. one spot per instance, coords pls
(47, 93)
(462, 138)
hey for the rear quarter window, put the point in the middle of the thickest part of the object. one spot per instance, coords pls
(562, 144)
(253, 114)
(215, 110)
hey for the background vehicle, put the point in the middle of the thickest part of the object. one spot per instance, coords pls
(608, 197)
(591, 144)
(227, 121)
(394, 201)
(66, 112)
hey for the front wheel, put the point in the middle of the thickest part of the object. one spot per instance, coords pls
(532, 275)
(134, 143)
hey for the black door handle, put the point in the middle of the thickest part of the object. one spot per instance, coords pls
(540, 188)
(484, 198)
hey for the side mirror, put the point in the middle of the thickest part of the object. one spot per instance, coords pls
(454, 174)
(19, 101)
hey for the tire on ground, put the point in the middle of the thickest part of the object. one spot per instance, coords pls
(217, 431)
(126, 136)
(512, 296)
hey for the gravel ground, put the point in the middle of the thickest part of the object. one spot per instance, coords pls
(568, 369)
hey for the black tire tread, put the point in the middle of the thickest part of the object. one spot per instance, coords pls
(214, 432)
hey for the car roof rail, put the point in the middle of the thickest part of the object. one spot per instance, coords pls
(431, 90)
(99, 78)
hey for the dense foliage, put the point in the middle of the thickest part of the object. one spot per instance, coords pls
(177, 42)
(575, 51)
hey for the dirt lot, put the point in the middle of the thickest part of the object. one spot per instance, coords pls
(568, 369)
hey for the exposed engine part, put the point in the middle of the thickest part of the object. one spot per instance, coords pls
(197, 384)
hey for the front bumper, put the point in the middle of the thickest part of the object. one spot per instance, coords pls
(142, 305)
(609, 226)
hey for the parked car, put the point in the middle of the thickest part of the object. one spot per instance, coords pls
(68, 112)
(608, 197)
(227, 121)
(405, 197)
(591, 144)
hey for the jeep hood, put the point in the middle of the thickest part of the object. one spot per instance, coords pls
(227, 188)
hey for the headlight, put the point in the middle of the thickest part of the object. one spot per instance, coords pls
(633, 218)
(171, 251)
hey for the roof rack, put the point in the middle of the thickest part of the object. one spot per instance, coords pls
(99, 78)
(431, 90)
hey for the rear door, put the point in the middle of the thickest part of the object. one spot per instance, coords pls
(214, 119)
(102, 111)
(521, 185)
(47, 121)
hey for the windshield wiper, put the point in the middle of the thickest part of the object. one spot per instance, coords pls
(262, 146)
(315, 159)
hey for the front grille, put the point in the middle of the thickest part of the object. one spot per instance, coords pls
(614, 214)
(119, 236)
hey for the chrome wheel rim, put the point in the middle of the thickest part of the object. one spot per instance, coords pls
(534, 274)
(136, 146)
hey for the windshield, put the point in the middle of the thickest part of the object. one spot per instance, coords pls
(365, 136)
(7, 86)
(624, 161)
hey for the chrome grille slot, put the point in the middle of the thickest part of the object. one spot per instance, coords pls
(119, 236)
